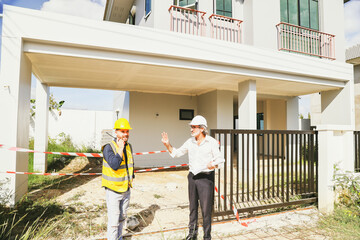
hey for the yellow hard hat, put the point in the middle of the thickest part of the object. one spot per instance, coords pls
(122, 123)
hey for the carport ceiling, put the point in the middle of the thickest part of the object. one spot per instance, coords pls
(76, 72)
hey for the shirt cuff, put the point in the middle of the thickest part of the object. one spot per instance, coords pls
(173, 153)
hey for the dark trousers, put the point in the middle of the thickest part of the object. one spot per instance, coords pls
(201, 188)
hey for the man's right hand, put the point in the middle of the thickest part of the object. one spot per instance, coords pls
(166, 142)
(165, 139)
(120, 144)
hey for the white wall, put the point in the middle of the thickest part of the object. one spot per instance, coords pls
(206, 108)
(331, 20)
(152, 114)
(84, 126)
(357, 106)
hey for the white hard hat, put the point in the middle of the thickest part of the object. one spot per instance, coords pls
(198, 120)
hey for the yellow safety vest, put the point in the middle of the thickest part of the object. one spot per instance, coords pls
(121, 179)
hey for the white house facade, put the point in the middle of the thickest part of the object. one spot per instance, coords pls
(244, 60)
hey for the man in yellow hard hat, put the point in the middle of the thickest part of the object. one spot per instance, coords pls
(117, 177)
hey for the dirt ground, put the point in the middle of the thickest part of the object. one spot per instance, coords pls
(159, 201)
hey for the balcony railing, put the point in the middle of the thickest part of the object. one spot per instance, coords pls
(306, 41)
(225, 28)
(187, 20)
(191, 21)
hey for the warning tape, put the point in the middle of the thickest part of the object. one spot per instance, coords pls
(160, 168)
(92, 174)
(245, 224)
(99, 155)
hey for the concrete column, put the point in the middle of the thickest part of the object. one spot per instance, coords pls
(292, 113)
(336, 142)
(15, 88)
(247, 105)
(247, 120)
(41, 126)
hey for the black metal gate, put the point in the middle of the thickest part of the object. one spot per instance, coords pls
(265, 169)
(357, 151)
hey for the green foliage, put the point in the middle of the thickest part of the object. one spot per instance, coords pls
(344, 223)
(347, 185)
(29, 219)
(61, 143)
(53, 105)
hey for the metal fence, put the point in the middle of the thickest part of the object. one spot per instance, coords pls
(265, 169)
(303, 40)
(357, 151)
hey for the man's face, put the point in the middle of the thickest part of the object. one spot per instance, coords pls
(122, 134)
(195, 130)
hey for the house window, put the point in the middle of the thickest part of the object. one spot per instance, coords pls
(185, 3)
(147, 7)
(303, 13)
(186, 114)
(260, 121)
(224, 7)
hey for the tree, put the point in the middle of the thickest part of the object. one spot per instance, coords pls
(53, 105)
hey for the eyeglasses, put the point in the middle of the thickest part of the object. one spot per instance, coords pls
(193, 127)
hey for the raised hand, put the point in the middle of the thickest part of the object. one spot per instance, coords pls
(165, 138)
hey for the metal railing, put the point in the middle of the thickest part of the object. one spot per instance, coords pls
(270, 169)
(225, 28)
(187, 20)
(303, 40)
(357, 150)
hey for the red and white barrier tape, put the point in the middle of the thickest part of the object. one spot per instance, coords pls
(99, 155)
(92, 174)
(160, 168)
(53, 174)
(245, 224)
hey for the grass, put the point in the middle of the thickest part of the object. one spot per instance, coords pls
(157, 196)
(61, 143)
(344, 223)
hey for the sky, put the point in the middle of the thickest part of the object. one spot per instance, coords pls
(94, 9)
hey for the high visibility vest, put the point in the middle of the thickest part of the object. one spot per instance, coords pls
(118, 180)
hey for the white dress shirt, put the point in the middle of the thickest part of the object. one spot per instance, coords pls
(200, 155)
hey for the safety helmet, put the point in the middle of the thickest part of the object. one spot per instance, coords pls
(198, 120)
(122, 123)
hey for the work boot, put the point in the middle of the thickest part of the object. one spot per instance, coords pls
(191, 237)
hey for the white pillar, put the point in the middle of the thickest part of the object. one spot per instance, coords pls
(336, 141)
(247, 120)
(15, 88)
(41, 126)
(247, 104)
(292, 114)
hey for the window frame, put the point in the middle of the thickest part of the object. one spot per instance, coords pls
(315, 25)
(215, 8)
(192, 5)
(147, 11)
(181, 116)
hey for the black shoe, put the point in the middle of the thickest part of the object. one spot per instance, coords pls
(191, 237)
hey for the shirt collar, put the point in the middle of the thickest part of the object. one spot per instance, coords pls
(206, 139)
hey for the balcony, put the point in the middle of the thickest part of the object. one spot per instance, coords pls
(187, 20)
(307, 41)
(225, 28)
(191, 21)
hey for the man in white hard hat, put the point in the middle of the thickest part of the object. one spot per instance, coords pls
(204, 157)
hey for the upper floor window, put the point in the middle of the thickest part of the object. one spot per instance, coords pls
(185, 3)
(303, 13)
(147, 7)
(224, 7)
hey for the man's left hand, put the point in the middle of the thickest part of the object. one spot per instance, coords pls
(210, 166)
